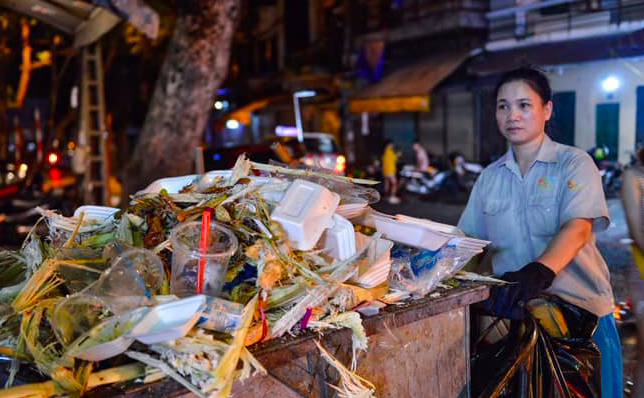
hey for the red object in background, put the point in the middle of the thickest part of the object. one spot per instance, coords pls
(55, 175)
(10, 190)
(52, 158)
(39, 145)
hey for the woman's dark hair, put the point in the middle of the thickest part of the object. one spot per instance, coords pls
(534, 78)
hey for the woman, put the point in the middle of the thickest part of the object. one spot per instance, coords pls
(540, 205)
(389, 172)
(633, 202)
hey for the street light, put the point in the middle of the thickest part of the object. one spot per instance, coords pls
(611, 84)
(298, 119)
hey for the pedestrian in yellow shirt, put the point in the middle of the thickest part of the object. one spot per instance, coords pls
(389, 172)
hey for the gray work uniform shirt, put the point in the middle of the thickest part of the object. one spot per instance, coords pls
(520, 215)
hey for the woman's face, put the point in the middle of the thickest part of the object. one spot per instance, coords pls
(520, 113)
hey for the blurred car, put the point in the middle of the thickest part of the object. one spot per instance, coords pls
(224, 158)
(318, 150)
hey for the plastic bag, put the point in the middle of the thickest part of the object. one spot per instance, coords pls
(530, 361)
(419, 271)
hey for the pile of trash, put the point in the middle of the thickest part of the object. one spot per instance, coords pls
(286, 250)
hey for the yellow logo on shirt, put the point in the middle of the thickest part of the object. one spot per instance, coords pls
(572, 186)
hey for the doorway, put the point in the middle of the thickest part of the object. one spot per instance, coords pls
(561, 127)
(607, 128)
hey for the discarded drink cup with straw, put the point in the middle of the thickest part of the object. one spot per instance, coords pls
(200, 254)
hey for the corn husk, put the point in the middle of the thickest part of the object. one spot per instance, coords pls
(351, 320)
(165, 368)
(41, 283)
(49, 388)
(320, 294)
(351, 384)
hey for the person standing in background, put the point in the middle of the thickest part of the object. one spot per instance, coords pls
(389, 172)
(422, 161)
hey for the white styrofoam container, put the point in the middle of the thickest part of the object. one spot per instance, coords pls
(170, 184)
(436, 226)
(339, 241)
(98, 213)
(168, 321)
(411, 234)
(351, 210)
(110, 348)
(93, 218)
(379, 260)
(305, 212)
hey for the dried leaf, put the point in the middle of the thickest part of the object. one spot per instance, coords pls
(222, 215)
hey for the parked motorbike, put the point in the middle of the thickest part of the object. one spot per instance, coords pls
(611, 179)
(421, 182)
(458, 177)
(610, 171)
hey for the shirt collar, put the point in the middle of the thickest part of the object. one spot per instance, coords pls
(547, 154)
(548, 151)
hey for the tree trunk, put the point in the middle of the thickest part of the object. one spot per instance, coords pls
(195, 65)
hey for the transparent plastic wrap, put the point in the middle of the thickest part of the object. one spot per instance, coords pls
(349, 193)
(419, 271)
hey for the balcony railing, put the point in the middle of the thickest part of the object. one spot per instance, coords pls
(553, 18)
(371, 16)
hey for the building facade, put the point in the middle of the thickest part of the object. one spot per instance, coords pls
(592, 52)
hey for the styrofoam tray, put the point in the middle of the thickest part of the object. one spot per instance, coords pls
(93, 217)
(436, 226)
(351, 210)
(99, 213)
(168, 321)
(379, 261)
(111, 348)
(170, 184)
(411, 234)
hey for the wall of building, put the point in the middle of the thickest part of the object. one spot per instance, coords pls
(460, 124)
(430, 127)
(585, 79)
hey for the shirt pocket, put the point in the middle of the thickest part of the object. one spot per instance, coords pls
(543, 216)
(496, 213)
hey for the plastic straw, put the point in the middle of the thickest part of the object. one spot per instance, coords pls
(203, 244)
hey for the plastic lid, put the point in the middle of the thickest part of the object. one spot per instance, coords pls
(221, 243)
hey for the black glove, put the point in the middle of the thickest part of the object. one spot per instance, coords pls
(508, 301)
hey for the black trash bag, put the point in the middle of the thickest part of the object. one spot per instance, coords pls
(548, 354)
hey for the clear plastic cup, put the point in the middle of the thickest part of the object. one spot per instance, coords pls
(76, 314)
(186, 255)
(147, 265)
(133, 276)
